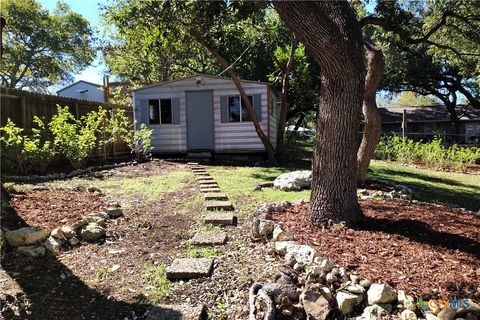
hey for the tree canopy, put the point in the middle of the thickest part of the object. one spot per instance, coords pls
(43, 48)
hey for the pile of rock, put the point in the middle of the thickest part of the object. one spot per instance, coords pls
(35, 242)
(400, 192)
(309, 286)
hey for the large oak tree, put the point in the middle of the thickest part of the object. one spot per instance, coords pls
(331, 33)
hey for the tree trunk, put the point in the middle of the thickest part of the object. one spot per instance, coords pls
(284, 104)
(299, 121)
(330, 31)
(231, 72)
(373, 122)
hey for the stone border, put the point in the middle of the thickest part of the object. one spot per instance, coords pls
(312, 285)
(74, 173)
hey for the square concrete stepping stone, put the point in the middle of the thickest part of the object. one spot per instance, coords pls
(209, 238)
(189, 268)
(201, 174)
(205, 178)
(215, 196)
(210, 189)
(192, 163)
(219, 205)
(177, 312)
(208, 185)
(199, 169)
(220, 218)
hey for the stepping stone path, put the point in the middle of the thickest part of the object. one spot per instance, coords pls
(219, 205)
(176, 312)
(219, 218)
(219, 213)
(209, 238)
(215, 196)
(189, 268)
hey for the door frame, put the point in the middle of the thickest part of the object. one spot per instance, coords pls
(212, 115)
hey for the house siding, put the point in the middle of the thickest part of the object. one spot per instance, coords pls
(228, 137)
(93, 93)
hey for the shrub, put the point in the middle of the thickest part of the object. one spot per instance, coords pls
(75, 139)
(141, 143)
(24, 152)
(433, 153)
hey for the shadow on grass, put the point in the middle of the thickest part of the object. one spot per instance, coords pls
(440, 193)
(53, 291)
(422, 233)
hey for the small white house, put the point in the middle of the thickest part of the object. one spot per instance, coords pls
(203, 113)
(83, 90)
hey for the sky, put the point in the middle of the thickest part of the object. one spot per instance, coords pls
(90, 10)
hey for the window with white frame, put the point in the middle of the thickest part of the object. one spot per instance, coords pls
(160, 111)
(237, 111)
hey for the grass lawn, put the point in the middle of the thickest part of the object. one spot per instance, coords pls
(451, 189)
(448, 188)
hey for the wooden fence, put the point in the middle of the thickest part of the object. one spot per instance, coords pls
(21, 106)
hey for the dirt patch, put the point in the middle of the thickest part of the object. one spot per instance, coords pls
(49, 209)
(155, 167)
(427, 250)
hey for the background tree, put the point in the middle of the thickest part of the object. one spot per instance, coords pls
(211, 25)
(42, 48)
(432, 48)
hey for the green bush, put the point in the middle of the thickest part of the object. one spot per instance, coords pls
(74, 139)
(26, 152)
(141, 143)
(433, 153)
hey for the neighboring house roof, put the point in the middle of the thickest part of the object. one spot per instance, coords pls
(427, 114)
(80, 81)
(195, 76)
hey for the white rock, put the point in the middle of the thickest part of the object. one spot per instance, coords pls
(430, 316)
(331, 277)
(381, 293)
(25, 236)
(53, 245)
(73, 241)
(375, 312)
(281, 235)
(316, 306)
(295, 180)
(92, 231)
(347, 301)
(355, 288)
(31, 251)
(327, 265)
(262, 227)
(326, 292)
(68, 232)
(300, 252)
(365, 283)
(114, 212)
(57, 233)
(407, 301)
(408, 315)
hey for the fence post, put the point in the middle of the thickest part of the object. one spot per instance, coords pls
(404, 123)
(23, 106)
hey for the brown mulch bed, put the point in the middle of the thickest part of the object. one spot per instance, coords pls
(49, 209)
(429, 251)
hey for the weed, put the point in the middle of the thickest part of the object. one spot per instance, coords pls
(194, 252)
(157, 277)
